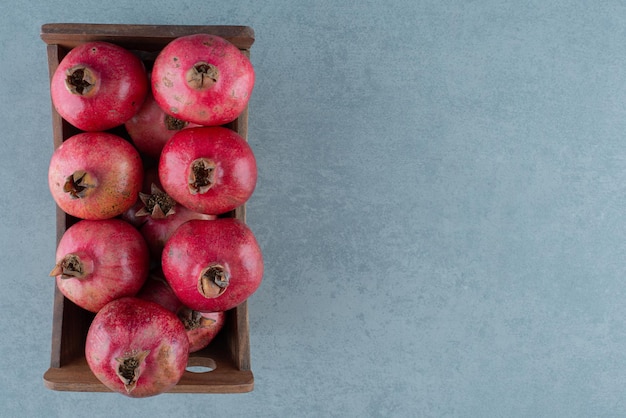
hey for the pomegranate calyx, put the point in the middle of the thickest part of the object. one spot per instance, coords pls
(70, 267)
(192, 319)
(174, 124)
(129, 368)
(157, 204)
(202, 75)
(201, 176)
(80, 80)
(78, 184)
(213, 281)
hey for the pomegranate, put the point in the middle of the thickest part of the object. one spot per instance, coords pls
(209, 170)
(213, 265)
(137, 347)
(98, 86)
(157, 215)
(100, 260)
(151, 127)
(162, 217)
(156, 289)
(203, 79)
(86, 182)
(150, 176)
(201, 327)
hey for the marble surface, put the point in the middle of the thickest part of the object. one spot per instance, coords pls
(440, 204)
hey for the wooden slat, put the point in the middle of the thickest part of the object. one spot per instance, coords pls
(239, 337)
(147, 37)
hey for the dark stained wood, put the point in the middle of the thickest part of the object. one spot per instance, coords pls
(229, 353)
(144, 37)
(239, 338)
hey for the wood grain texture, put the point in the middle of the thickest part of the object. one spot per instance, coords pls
(229, 353)
(145, 37)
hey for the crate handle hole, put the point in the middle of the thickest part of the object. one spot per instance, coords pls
(200, 365)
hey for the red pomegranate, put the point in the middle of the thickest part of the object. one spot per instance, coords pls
(156, 289)
(98, 86)
(150, 177)
(213, 265)
(99, 261)
(137, 348)
(150, 128)
(203, 79)
(87, 182)
(157, 215)
(162, 217)
(201, 327)
(209, 170)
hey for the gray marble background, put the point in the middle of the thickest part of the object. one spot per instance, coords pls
(440, 203)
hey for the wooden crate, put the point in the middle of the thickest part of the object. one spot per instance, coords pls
(229, 354)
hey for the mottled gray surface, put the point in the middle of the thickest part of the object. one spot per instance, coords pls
(440, 204)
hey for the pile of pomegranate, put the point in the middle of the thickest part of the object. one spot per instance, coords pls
(151, 178)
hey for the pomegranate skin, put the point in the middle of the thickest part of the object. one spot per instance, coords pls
(198, 245)
(114, 183)
(157, 231)
(150, 128)
(157, 227)
(115, 262)
(150, 177)
(217, 94)
(112, 86)
(234, 172)
(156, 289)
(202, 327)
(134, 327)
